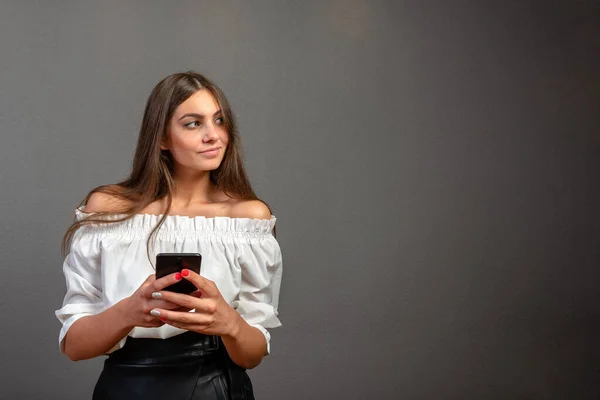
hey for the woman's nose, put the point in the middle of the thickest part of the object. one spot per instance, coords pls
(210, 134)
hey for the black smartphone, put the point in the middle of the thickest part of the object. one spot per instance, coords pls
(168, 263)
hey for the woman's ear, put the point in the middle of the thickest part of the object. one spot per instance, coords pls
(164, 143)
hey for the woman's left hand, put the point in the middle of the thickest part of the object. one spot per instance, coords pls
(212, 315)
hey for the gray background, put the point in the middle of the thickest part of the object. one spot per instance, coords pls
(432, 164)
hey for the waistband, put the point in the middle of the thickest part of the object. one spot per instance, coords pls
(188, 347)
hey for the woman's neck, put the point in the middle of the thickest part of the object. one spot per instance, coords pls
(192, 188)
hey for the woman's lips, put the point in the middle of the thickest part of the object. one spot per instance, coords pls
(210, 152)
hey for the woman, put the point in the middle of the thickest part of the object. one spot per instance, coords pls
(187, 193)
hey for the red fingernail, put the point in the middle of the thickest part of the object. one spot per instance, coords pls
(178, 276)
(185, 272)
(163, 320)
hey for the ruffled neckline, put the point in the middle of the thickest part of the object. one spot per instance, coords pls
(182, 223)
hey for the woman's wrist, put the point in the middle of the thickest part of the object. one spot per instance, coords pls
(123, 315)
(236, 324)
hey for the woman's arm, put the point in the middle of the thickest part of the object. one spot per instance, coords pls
(245, 344)
(94, 335)
(97, 332)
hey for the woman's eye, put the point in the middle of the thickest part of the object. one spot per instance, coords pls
(219, 121)
(193, 124)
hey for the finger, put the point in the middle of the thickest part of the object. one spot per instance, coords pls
(206, 286)
(178, 309)
(206, 306)
(152, 321)
(190, 327)
(182, 318)
(161, 283)
(162, 304)
(175, 307)
(182, 309)
(179, 299)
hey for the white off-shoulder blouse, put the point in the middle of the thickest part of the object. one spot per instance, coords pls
(108, 262)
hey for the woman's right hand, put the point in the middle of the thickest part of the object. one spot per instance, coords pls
(137, 307)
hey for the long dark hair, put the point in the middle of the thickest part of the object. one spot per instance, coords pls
(151, 177)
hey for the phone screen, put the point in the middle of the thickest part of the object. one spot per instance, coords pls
(168, 263)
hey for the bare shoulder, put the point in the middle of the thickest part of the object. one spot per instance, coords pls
(254, 209)
(105, 202)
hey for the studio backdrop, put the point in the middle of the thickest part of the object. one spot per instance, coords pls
(432, 166)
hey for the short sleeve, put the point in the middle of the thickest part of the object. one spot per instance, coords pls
(258, 300)
(81, 269)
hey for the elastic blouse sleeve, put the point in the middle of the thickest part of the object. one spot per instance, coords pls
(261, 265)
(81, 269)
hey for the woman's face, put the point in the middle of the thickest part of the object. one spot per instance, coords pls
(196, 135)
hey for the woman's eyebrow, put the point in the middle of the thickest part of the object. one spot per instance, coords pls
(199, 116)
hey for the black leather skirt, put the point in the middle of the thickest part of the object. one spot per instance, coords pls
(187, 366)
